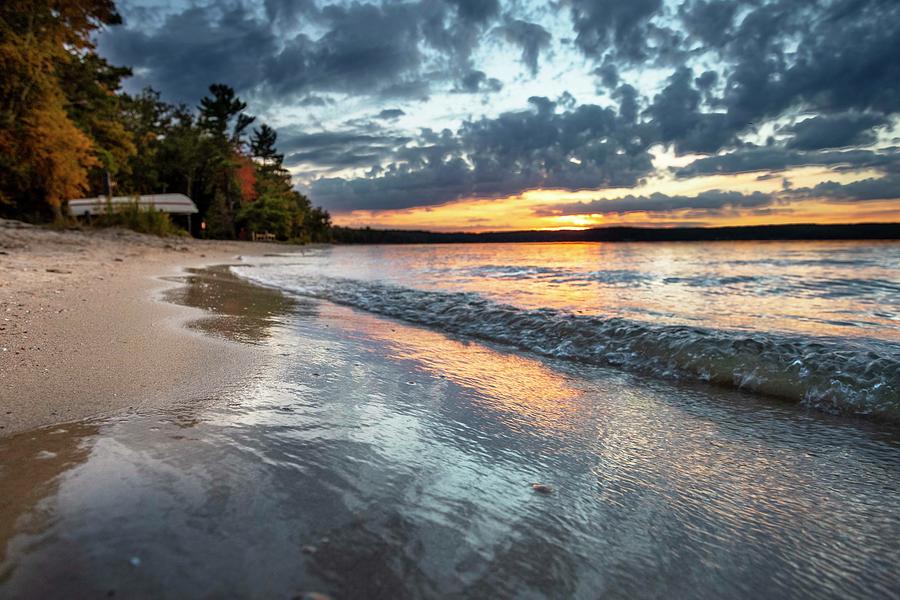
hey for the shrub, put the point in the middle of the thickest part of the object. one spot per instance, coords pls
(268, 213)
(137, 218)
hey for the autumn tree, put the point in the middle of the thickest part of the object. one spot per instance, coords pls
(279, 208)
(44, 155)
(67, 127)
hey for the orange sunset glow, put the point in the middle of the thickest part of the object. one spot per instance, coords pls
(524, 211)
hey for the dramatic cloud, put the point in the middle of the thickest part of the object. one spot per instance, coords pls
(676, 114)
(709, 202)
(774, 158)
(760, 86)
(589, 147)
(391, 114)
(192, 49)
(624, 29)
(475, 81)
(532, 38)
(875, 188)
(339, 149)
(835, 131)
(381, 50)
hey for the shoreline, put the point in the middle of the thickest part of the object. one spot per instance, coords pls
(86, 329)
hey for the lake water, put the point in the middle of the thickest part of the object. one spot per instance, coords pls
(407, 398)
(817, 323)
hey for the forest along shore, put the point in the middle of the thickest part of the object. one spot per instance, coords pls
(83, 332)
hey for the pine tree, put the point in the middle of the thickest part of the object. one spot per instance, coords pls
(262, 147)
(217, 110)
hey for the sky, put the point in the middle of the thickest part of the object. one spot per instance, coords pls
(474, 115)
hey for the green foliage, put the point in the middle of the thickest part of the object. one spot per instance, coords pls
(269, 214)
(137, 218)
(219, 218)
(90, 84)
(217, 111)
(318, 225)
(67, 128)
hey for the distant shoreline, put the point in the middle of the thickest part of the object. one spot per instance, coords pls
(858, 231)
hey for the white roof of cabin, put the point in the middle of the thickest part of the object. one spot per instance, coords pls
(177, 204)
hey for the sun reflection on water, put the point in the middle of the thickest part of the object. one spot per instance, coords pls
(516, 386)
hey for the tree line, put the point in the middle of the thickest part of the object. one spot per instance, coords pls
(858, 231)
(68, 130)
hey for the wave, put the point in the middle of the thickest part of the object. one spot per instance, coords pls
(830, 374)
(548, 274)
(872, 289)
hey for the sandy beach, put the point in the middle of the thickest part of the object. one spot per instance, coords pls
(84, 331)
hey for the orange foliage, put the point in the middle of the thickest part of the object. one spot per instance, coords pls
(44, 156)
(246, 177)
(59, 152)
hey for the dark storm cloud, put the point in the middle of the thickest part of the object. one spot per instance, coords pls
(191, 50)
(731, 69)
(774, 56)
(289, 12)
(348, 58)
(775, 158)
(475, 81)
(390, 114)
(476, 11)
(677, 116)
(873, 188)
(886, 186)
(530, 37)
(621, 28)
(384, 50)
(826, 57)
(589, 147)
(339, 149)
(706, 202)
(835, 131)
(312, 100)
(709, 21)
(608, 74)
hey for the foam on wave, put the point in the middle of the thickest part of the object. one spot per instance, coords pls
(833, 375)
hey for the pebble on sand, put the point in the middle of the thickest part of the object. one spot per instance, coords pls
(541, 488)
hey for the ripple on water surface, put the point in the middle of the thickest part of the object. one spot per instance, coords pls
(371, 458)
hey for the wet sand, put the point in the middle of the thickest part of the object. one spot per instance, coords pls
(84, 330)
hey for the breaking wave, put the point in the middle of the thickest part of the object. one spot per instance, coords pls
(831, 374)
